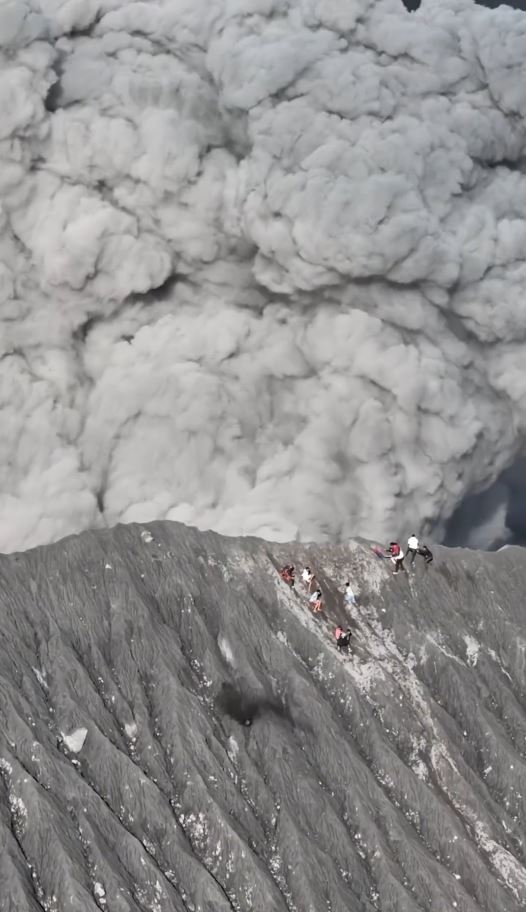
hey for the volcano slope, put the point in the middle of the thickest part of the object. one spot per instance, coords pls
(178, 731)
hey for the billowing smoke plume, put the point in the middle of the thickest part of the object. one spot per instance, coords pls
(262, 263)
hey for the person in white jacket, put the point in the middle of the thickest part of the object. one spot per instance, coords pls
(412, 547)
(308, 577)
(350, 597)
(310, 580)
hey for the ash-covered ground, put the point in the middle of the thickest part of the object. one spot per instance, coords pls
(178, 731)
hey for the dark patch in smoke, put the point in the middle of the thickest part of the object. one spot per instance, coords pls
(477, 508)
(515, 480)
(474, 512)
(160, 292)
(82, 332)
(53, 99)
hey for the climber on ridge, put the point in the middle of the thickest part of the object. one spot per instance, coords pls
(308, 578)
(426, 553)
(288, 575)
(342, 637)
(397, 556)
(350, 598)
(316, 601)
(412, 547)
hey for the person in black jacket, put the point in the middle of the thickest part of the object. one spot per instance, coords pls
(342, 637)
(426, 553)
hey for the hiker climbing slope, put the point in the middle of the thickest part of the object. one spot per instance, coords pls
(288, 575)
(316, 601)
(308, 578)
(349, 596)
(397, 556)
(412, 547)
(342, 637)
(426, 553)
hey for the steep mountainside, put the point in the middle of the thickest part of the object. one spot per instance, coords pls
(178, 731)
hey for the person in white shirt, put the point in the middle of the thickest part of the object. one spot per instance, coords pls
(316, 601)
(412, 547)
(350, 598)
(308, 578)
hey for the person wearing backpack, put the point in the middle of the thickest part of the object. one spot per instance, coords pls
(342, 637)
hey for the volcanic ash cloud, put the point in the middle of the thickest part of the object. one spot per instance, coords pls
(261, 266)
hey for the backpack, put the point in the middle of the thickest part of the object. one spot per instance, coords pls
(395, 550)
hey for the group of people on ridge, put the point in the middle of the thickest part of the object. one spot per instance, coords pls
(413, 548)
(288, 574)
(315, 596)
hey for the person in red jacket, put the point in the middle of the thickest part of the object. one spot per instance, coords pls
(288, 575)
(397, 556)
(342, 637)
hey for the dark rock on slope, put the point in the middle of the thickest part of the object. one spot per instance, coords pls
(178, 731)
